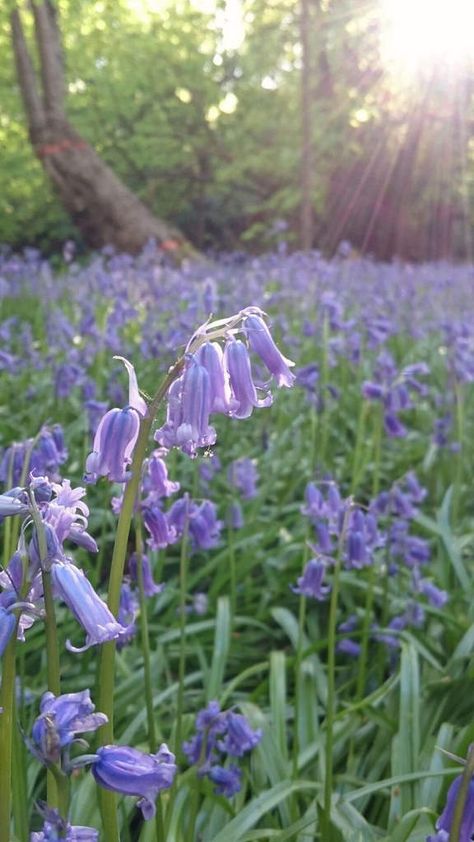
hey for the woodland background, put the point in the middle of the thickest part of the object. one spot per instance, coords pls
(235, 121)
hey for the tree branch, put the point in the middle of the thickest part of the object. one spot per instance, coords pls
(27, 79)
(50, 52)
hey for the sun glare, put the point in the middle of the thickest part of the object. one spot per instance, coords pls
(423, 34)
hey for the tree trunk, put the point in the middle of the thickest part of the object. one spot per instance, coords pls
(306, 206)
(104, 210)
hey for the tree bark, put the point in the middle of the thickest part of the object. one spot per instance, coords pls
(306, 206)
(104, 210)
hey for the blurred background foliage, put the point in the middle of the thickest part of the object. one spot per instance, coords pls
(197, 107)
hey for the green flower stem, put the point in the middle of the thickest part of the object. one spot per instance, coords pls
(55, 795)
(232, 568)
(299, 661)
(145, 645)
(145, 638)
(19, 790)
(331, 694)
(7, 700)
(183, 588)
(458, 477)
(468, 772)
(324, 379)
(7, 526)
(377, 450)
(359, 445)
(298, 681)
(371, 577)
(14, 523)
(106, 676)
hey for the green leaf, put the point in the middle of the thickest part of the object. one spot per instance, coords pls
(256, 809)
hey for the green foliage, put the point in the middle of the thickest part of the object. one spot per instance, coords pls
(208, 133)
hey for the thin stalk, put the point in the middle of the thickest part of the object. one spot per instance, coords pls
(468, 772)
(145, 645)
(232, 569)
(298, 679)
(299, 660)
(324, 391)
(183, 587)
(358, 446)
(7, 525)
(56, 792)
(7, 699)
(371, 578)
(19, 790)
(331, 693)
(106, 675)
(458, 477)
(377, 449)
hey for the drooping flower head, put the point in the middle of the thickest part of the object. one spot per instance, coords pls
(220, 380)
(61, 718)
(131, 772)
(71, 585)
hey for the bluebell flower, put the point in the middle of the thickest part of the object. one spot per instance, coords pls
(135, 400)
(310, 584)
(208, 468)
(131, 772)
(71, 585)
(114, 442)
(227, 780)
(54, 550)
(189, 406)
(127, 614)
(349, 647)
(56, 829)
(314, 507)
(95, 411)
(235, 515)
(162, 532)
(440, 836)
(204, 526)
(200, 604)
(243, 475)
(7, 628)
(211, 356)
(239, 737)
(210, 718)
(262, 343)
(155, 481)
(435, 596)
(13, 458)
(210, 723)
(61, 718)
(150, 587)
(10, 506)
(237, 363)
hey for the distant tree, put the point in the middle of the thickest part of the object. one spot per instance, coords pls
(99, 203)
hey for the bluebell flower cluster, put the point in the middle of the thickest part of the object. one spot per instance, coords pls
(64, 517)
(393, 389)
(220, 734)
(42, 456)
(217, 380)
(361, 536)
